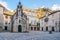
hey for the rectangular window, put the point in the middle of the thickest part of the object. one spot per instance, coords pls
(46, 28)
(19, 21)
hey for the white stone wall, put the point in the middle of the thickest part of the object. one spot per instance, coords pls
(53, 19)
(32, 19)
(1, 17)
(7, 20)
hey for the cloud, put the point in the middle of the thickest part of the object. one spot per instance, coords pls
(5, 4)
(43, 6)
(55, 7)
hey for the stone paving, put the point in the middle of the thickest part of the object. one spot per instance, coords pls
(37, 35)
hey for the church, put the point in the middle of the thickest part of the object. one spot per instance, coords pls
(25, 19)
(19, 20)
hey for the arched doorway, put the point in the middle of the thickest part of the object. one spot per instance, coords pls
(19, 28)
(5, 27)
(34, 28)
(42, 28)
(31, 28)
(52, 28)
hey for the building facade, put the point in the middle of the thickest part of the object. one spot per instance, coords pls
(1, 18)
(26, 20)
(19, 20)
(50, 22)
(7, 22)
(4, 18)
(32, 20)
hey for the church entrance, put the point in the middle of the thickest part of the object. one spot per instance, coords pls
(19, 28)
(5, 27)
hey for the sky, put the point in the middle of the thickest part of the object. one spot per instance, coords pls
(32, 4)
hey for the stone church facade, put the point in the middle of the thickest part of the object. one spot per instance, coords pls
(19, 20)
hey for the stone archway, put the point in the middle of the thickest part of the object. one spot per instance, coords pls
(52, 28)
(19, 28)
(5, 27)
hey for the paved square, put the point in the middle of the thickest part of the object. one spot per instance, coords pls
(33, 35)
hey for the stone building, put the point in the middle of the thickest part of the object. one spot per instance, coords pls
(25, 19)
(32, 20)
(51, 21)
(1, 18)
(5, 15)
(19, 20)
(7, 25)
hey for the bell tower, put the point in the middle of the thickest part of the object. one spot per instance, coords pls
(19, 6)
(19, 9)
